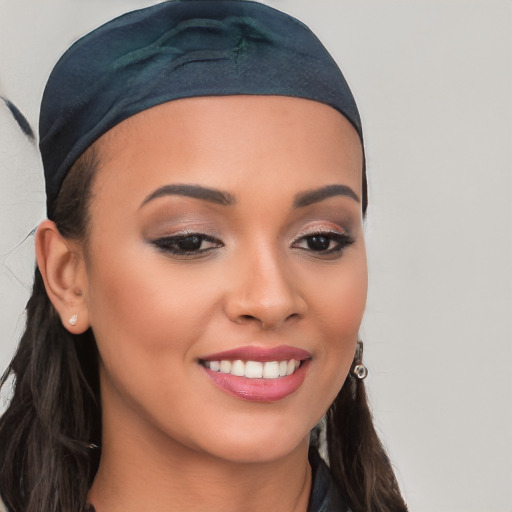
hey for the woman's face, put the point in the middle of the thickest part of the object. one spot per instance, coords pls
(225, 229)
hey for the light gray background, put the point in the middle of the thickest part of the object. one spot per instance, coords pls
(434, 81)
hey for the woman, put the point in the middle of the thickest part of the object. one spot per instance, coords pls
(201, 276)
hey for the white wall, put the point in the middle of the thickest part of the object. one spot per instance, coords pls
(434, 83)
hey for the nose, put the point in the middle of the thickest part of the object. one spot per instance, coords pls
(264, 292)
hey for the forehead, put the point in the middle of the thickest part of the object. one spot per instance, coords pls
(232, 139)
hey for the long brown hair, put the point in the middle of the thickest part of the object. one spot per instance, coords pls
(51, 432)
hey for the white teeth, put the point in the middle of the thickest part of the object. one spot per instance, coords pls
(225, 366)
(254, 369)
(214, 365)
(238, 368)
(271, 370)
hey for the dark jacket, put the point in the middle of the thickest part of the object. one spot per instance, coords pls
(325, 495)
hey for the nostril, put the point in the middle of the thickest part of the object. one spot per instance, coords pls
(247, 317)
(268, 303)
(266, 321)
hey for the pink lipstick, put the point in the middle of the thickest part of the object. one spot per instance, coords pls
(258, 373)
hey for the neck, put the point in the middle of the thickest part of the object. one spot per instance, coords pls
(150, 471)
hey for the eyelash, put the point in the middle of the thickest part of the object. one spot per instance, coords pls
(342, 240)
(170, 244)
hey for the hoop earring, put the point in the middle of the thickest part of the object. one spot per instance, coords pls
(359, 370)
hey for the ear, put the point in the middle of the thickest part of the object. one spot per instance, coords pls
(63, 269)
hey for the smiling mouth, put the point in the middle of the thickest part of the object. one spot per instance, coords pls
(258, 373)
(268, 370)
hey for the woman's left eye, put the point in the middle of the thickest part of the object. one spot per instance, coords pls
(188, 244)
(328, 242)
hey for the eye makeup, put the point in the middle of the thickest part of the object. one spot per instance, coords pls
(189, 229)
(188, 243)
(323, 242)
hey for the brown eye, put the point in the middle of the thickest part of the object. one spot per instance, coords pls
(324, 243)
(187, 244)
(318, 243)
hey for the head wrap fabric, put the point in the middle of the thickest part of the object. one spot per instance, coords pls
(173, 50)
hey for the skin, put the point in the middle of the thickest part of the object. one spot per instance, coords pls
(172, 440)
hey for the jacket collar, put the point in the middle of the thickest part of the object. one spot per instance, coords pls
(325, 494)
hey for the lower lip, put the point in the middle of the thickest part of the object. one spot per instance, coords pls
(259, 390)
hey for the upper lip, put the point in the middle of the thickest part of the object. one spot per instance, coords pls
(263, 354)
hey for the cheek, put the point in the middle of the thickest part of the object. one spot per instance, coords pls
(141, 309)
(340, 300)
(340, 295)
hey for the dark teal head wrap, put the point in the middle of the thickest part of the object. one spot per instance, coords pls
(173, 50)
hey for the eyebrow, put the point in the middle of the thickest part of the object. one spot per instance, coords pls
(314, 196)
(196, 191)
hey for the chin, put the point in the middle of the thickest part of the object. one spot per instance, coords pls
(249, 453)
(260, 444)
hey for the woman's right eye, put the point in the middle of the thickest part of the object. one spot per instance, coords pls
(189, 244)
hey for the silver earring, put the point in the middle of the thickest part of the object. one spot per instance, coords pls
(359, 370)
(72, 321)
